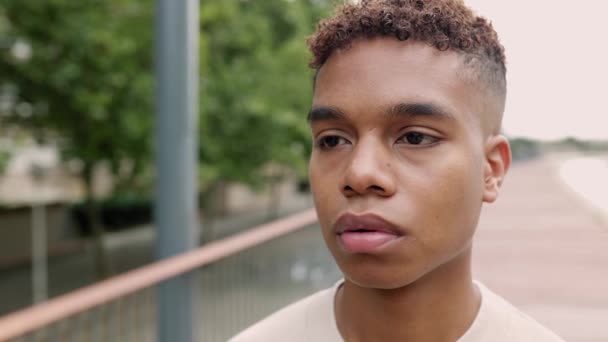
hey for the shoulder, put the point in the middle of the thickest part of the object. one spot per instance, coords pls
(300, 321)
(498, 320)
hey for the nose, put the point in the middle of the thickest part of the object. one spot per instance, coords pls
(369, 171)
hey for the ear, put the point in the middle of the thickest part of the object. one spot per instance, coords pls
(497, 162)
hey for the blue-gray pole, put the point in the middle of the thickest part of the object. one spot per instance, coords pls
(177, 32)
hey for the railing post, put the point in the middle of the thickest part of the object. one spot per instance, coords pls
(177, 33)
(39, 253)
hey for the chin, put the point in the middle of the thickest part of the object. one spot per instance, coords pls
(379, 277)
(379, 282)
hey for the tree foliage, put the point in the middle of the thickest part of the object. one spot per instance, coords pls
(87, 84)
(81, 77)
(256, 86)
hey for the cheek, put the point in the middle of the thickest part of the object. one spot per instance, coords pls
(452, 199)
(323, 187)
(460, 195)
(463, 206)
(326, 201)
(317, 178)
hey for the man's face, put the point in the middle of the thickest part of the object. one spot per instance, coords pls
(397, 168)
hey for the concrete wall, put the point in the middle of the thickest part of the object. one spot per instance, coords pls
(15, 233)
(62, 236)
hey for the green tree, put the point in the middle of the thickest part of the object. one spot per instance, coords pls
(81, 74)
(256, 88)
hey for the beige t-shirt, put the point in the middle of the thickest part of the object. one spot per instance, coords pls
(312, 319)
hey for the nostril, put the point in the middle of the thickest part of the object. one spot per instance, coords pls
(347, 189)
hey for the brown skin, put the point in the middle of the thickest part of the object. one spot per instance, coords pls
(431, 186)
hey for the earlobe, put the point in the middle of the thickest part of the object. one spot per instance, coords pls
(497, 162)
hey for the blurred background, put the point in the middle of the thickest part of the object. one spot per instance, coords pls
(77, 96)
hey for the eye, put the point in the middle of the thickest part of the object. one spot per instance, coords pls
(417, 138)
(330, 141)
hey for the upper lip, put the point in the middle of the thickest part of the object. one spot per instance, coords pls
(372, 222)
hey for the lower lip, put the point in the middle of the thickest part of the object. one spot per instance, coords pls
(356, 242)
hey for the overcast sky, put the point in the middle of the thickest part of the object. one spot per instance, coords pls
(557, 60)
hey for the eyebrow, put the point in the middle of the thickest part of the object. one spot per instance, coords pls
(401, 109)
(325, 113)
(419, 109)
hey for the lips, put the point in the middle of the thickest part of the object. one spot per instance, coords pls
(367, 233)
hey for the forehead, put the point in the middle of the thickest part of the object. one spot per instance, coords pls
(373, 73)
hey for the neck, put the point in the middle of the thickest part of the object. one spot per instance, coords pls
(439, 306)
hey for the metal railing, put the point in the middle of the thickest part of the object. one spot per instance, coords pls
(241, 279)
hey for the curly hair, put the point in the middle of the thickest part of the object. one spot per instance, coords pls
(444, 24)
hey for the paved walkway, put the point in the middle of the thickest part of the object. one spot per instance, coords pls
(546, 250)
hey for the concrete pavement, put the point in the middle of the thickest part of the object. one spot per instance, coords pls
(546, 250)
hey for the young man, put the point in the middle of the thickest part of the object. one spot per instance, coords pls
(406, 120)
